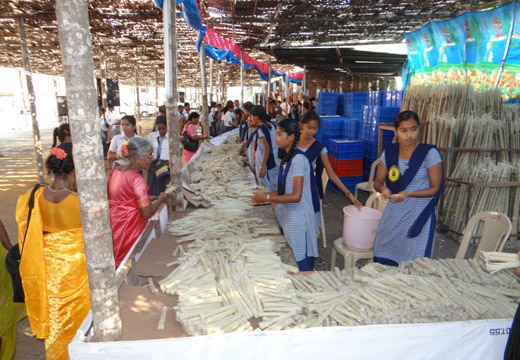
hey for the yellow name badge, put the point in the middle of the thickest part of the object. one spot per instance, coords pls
(394, 174)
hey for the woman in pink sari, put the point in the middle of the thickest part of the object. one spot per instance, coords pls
(130, 205)
(190, 138)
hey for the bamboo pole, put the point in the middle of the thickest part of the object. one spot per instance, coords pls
(304, 88)
(78, 68)
(286, 94)
(138, 103)
(24, 102)
(156, 91)
(32, 100)
(268, 85)
(241, 77)
(210, 81)
(103, 70)
(172, 115)
(204, 95)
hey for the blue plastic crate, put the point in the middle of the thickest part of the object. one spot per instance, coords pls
(327, 103)
(350, 128)
(346, 149)
(370, 150)
(341, 104)
(393, 98)
(341, 146)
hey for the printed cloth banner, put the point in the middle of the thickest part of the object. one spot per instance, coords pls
(469, 48)
(220, 48)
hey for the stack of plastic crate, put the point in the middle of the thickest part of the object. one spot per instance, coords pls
(327, 103)
(330, 128)
(353, 104)
(346, 158)
(350, 128)
(368, 132)
(341, 104)
(392, 98)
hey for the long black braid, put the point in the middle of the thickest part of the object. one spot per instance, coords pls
(290, 127)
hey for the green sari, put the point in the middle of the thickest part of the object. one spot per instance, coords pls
(10, 313)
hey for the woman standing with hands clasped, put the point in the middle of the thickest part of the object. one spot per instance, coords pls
(296, 215)
(414, 179)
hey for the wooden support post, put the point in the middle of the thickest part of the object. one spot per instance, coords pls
(172, 96)
(32, 100)
(286, 94)
(138, 103)
(157, 91)
(210, 81)
(219, 82)
(304, 86)
(78, 68)
(268, 85)
(204, 95)
(241, 77)
(24, 102)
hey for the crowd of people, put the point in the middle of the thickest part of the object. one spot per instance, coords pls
(286, 163)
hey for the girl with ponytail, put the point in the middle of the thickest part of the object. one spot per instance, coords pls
(61, 133)
(318, 157)
(295, 210)
(264, 149)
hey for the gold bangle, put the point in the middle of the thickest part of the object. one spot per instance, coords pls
(268, 197)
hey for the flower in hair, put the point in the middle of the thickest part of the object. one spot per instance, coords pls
(124, 149)
(59, 153)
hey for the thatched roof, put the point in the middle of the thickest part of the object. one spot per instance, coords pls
(129, 32)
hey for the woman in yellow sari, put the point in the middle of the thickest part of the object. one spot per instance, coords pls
(53, 266)
(10, 313)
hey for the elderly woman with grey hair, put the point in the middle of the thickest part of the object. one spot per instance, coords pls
(130, 205)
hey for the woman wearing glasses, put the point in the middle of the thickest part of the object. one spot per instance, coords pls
(130, 205)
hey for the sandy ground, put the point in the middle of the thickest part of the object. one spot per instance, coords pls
(17, 164)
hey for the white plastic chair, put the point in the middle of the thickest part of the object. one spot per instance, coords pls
(368, 185)
(350, 256)
(496, 228)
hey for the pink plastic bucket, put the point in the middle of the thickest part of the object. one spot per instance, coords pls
(359, 227)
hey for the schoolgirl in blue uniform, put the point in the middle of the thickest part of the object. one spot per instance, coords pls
(294, 196)
(266, 169)
(318, 157)
(410, 175)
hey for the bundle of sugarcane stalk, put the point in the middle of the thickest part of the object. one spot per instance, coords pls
(222, 175)
(455, 116)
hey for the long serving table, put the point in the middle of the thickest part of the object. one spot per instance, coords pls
(141, 309)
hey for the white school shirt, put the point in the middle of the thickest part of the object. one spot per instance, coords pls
(113, 116)
(165, 149)
(227, 118)
(115, 146)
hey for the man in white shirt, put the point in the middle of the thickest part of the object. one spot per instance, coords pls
(161, 154)
(187, 109)
(114, 118)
